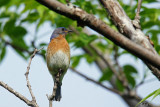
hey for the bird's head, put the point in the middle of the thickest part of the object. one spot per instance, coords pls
(60, 31)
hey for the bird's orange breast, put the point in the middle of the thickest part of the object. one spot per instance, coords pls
(58, 43)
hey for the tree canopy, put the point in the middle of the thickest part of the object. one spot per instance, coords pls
(99, 32)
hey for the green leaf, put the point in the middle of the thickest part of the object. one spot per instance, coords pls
(131, 80)
(43, 52)
(107, 74)
(9, 26)
(102, 46)
(42, 44)
(89, 58)
(119, 85)
(149, 1)
(156, 94)
(85, 39)
(151, 94)
(75, 60)
(129, 70)
(19, 43)
(4, 2)
(2, 54)
(14, 31)
(19, 31)
(62, 21)
(32, 17)
(21, 54)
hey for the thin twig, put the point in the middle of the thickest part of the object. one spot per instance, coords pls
(49, 98)
(119, 67)
(144, 82)
(124, 83)
(27, 73)
(29, 103)
(17, 47)
(136, 21)
(17, 94)
(138, 10)
(96, 82)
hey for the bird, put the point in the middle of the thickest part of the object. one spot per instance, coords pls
(58, 58)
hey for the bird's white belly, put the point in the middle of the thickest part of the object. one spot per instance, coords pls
(59, 60)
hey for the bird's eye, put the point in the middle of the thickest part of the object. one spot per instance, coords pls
(62, 29)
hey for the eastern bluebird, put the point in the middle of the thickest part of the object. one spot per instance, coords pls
(58, 58)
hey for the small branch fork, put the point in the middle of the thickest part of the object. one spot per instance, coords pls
(31, 103)
(136, 21)
(138, 10)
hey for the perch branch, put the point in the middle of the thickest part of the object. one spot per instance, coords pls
(56, 81)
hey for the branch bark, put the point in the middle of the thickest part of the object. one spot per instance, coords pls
(131, 29)
(17, 94)
(27, 73)
(31, 103)
(99, 26)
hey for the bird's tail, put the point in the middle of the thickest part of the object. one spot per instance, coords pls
(58, 91)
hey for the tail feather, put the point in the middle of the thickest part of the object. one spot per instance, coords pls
(58, 92)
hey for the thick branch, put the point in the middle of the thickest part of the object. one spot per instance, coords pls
(131, 29)
(102, 28)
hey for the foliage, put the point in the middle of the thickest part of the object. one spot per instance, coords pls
(14, 14)
(154, 94)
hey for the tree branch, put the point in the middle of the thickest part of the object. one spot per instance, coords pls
(129, 29)
(17, 47)
(29, 103)
(136, 21)
(52, 97)
(96, 82)
(116, 56)
(27, 73)
(99, 26)
(21, 97)
(138, 10)
(107, 62)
